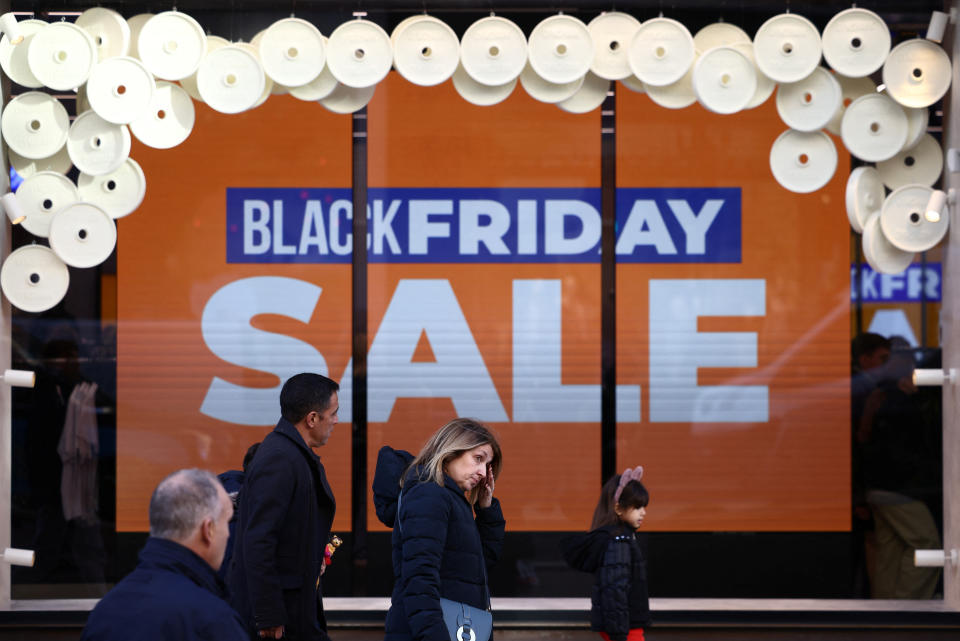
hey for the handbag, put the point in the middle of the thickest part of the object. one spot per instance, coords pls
(464, 622)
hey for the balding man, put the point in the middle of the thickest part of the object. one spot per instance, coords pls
(174, 592)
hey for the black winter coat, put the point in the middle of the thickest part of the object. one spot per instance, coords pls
(172, 594)
(440, 548)
(286, 511)
(619, 601)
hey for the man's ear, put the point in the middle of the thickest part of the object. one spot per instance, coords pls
(206, 530)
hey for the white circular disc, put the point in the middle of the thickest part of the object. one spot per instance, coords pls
(612, 34)
(82, 235)
(917, 73)
(867, 248)
(803, 161)
(292, 52)
(724, 80)
(589, 97)
(787, 47)
(917, 121)
(679, 95)
(549, 92)
(118, 193)
(231, 79)
(318, 88)
(171, 45)
(921, 165)
(426, 52)
(61, 55)
(136, 25)
(880, 253)
(765, 86)
(110, 32)
(661, 52)
(560, 49)
(13, 58)
(269, 86)
(359, 54)
(35, 125)
(493, 51)
(34, 279)
(850, 90)
(41, 196)
(719, 34)
(874, 127)
(864, 196)
(120, 89)
(401, 26)
(904, 223)
(856, 42)
(633, 83)
(346, 100)
(26, 167)
(96, 146)
(168, 121)
(478, 93)
(808, 105)
(190, 82)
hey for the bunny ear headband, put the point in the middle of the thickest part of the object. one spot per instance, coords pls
(628, 475)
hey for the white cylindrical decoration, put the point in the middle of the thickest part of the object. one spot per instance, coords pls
(938, 25)
(929, 558)
(15, 556)
(14, 211)
(934, 206)
(8, 25)
(19, 378)
(933, 377)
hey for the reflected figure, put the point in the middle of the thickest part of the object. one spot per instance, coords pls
(895, 451)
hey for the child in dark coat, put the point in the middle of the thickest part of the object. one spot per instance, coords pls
(620, 608)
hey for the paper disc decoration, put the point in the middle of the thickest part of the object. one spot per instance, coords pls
(189, 83)
(426, 52)
(400, 27)
(168, 121)
(787, 47)
(136, 25)
(359, 54)
(269, 86)
(808, 105)
(26, 167)
(765, 86)
(318, 88)
(118, 193)
(921, 165)
(904, 223)
(96, 146)
(346, 100)
(719, 34)
(231, 80)
(82, 235)
(34, 279)
(110, 32)
(13, 58)
(478, 93)
(493, 51)
(120, 89)
(803, 161)
(724, 80)
(549, 92)
(661, 52)
(560, 49)
(171, 45)
(35, 125)
(874, 128)
(292, 52)
(916, 73)
(864, 196)
(41, 196)
(589, 97)
(917, 122)
(679, 95)
(850, 90)
(612, 34)
(633, 83)
(61, 55)
(856, 42)
(883, 256)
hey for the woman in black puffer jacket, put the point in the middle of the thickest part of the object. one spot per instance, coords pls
(447, 527)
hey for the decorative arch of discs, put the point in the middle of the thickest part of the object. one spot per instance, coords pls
(139, 77)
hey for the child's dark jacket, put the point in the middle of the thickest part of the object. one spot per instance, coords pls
(619, 601)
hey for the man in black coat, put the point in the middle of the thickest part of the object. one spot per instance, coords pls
(286, 510)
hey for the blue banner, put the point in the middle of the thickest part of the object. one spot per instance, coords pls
(911, 286)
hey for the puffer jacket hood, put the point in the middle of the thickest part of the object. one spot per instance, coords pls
(391, 464)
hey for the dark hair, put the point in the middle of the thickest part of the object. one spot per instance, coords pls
(305, 393)
(867, 343)
(633, 495)
(248, 457)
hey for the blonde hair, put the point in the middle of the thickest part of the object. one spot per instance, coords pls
(449, 442)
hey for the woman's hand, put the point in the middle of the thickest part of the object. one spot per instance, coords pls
(485, 497)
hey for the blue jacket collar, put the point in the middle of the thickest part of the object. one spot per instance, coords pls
(163, 554)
